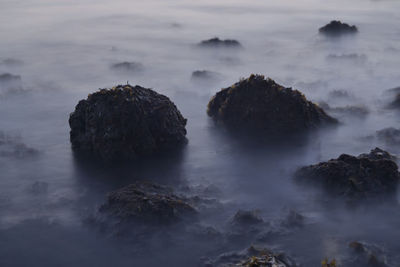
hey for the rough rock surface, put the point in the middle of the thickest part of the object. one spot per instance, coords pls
(126, 122)
(216, 42)
(146, 202)
(368, 176)
(336, 28)
(259, 104)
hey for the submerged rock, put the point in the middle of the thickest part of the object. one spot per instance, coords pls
(253, 257)
(128, 66)
(258, 104)
(205, 76)
(216, 42)
(336, 28)
(390, 136)
(126, 122)
(368, 176)
(145, 202)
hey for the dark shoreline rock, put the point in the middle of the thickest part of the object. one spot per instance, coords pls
(146, 202)
(126, 122)
(261, 105)
(216, 42)
(368, 176)
(337, 28)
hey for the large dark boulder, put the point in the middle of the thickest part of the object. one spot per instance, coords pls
(146, 202)
(337, 28)
(126, 122)
(368, 176)
(261, 105)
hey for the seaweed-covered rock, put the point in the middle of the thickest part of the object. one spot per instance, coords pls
(126, 122)
(368, 176)
(145, 202)
(336, 28)
(259, 104)
(128, 67)
(216, 42)
(253, 257)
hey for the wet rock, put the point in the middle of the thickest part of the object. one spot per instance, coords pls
(390, 136)
(337, 28)
(368, 255)
(12, 147)
(145, 202)
(247, 218)
(253, 257)
(128, 67)
(261, 105)
(126, 122)
(368, 176)
(218, 43)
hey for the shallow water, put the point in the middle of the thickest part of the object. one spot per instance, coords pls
(67, 48)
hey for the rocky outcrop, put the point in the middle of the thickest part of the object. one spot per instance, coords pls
(126, 122)
(261, 105)
(337, 28)
(368, 176)
(145, 202)
(216, 43)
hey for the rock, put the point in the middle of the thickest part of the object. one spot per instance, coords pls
(346, 111)
(339, 94)
(368, 176)
(216, 42)
(149, 203)
(395, 104)
(8, 78)
(12, 147)
(390, 136)
(126, 122)
(247, 218)
(261, 105)
(337, 28)
(367, 255)
(205, 76)
(253, 257)
(128, 66)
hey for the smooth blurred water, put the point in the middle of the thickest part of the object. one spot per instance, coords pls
(68, 47)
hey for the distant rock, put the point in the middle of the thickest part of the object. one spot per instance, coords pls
(337, 28)
(368, 176)
(11, 62)
(390, 136)
(12, 147)
(216, 42)
(246, 218)
(368, 255)
(128, 66)
(205, 76)
(146, 202)
(126, 122)
(346, 111)
(340, 94)
(9, 78)
(260, 105)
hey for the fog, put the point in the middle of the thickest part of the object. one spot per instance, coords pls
(64, 50)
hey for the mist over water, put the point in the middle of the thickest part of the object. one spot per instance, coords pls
(64, 50)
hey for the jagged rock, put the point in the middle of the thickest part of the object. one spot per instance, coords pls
(145, 202)
(261, 105)
(368, 176)
(126, 122)
(390, 136)
(336, 28)
(128, 66)
(253, 257)
(216, 42)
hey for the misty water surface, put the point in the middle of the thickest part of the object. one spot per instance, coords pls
(64, 51)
